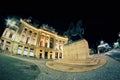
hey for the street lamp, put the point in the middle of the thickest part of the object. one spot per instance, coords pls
(101, 42)
(119, 39)
(10, 22)
(99, 46)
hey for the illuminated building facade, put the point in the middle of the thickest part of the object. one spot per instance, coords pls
(27, 40)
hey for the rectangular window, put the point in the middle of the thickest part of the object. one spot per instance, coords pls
(10, 35)
(33, 42)
(13, 37)
(35, 34)
(31, 52)
(23, 38)
(51, 45)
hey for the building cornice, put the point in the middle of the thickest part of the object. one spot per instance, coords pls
(28, 25)
(42, 30)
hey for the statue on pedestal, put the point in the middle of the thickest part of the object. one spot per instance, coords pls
(74, 31)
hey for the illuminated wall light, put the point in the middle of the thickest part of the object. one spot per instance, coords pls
(10, 22)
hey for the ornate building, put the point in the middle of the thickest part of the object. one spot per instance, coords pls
(27, 40)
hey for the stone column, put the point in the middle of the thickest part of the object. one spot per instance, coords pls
(48, 55)
(23, 50)
(28, 54)
(53, 54)
(54, 42)
(58, 54)
(3, 47)
(15, 48)
(4, 32)
(43, 54)
(38, 39)
(12, 48)
(37, 53)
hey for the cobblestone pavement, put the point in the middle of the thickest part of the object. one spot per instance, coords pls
(110, 71)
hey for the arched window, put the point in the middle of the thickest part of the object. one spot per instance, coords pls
(25, 30)
(51, 42)
(46, 45)
(30, 32)
(60, 55)
(41, 43)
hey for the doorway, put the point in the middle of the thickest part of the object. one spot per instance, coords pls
(60, 55)
(40, 55)
(46, 55)
(56, 55)
(50, 56)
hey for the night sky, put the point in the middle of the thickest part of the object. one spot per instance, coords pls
(99, 23)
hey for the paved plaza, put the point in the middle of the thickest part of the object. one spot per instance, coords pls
(110, 71)
(77, 66)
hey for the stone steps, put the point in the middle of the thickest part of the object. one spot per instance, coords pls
(89, 62)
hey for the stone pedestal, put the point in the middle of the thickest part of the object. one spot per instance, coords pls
(76, 51)
(76, 58)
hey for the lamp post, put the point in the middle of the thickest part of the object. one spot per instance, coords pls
(99, 47)
(119, 39)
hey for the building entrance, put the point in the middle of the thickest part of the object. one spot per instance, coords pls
(46, 55)
(50, 56)
(56, 55)
(40, 55)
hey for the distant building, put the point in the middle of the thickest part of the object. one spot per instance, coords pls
(116, 45)
(103, 47)
(26, 40)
